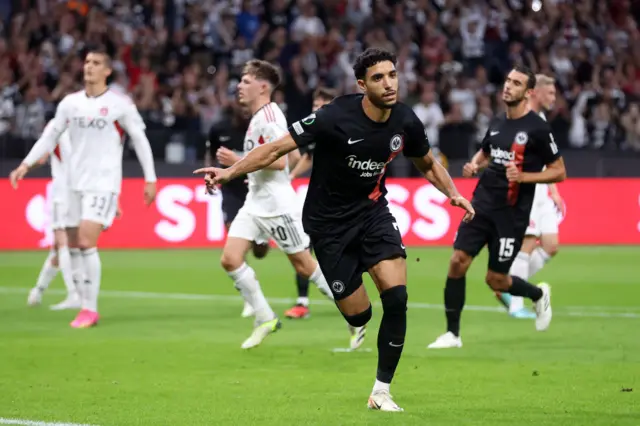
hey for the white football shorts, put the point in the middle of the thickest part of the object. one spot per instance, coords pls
(286, 230)
(93, 206)
(543, 219)
(59, 205)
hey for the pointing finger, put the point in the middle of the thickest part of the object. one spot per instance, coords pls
(203, 170)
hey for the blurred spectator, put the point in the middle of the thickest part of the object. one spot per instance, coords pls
(180, 60)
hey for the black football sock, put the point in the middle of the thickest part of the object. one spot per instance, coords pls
(454, 295)
(520, 287)
(303, 286)
(303, 283)
(393, 329)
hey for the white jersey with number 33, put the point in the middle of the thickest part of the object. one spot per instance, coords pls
(270, 191)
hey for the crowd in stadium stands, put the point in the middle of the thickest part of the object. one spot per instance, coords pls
(180, 60)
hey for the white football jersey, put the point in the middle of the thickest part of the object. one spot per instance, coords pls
(95, 127)
(270, 191)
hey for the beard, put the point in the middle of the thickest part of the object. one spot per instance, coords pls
(514, 102)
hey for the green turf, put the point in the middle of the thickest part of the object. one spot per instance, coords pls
(170, 359)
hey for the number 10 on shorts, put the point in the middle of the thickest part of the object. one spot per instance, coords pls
(506, 247)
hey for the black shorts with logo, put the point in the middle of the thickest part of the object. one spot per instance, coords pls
(502, 230)
(345, 254)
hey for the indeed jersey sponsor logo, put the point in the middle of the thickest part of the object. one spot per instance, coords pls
(500, 156)
(369, 168)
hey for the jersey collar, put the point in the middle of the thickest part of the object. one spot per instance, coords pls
(97, 96)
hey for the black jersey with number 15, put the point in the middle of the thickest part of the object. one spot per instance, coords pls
(527, 142)
(350, 159)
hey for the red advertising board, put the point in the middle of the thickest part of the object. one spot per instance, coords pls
(599, 211)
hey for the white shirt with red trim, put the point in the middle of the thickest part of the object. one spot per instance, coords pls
(270, 191)
(96, 127)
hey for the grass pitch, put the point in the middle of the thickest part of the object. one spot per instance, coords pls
(167, 351)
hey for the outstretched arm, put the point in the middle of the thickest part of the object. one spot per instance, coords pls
(259, 158)
(262, 156)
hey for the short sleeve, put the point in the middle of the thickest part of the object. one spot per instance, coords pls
(546, 144)
(416, 144)
(306, 131)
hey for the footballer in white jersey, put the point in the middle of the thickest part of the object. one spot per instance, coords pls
(544, 216)
(96, 119)
(270, 209)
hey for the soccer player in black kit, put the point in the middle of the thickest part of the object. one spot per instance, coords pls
(345, 212)
(517, 146)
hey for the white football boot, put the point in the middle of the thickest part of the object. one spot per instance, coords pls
(543, 308)
(446, 341)
(381, 400)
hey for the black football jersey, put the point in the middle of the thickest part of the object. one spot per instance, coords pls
(350, 159)
(526, 141)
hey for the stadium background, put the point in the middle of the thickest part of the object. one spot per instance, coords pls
(167, 351)
(180, 60)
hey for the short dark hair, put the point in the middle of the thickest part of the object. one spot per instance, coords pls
(324, 93)
(369, 58)
(101, 50)
(263, 70)
(531, 77)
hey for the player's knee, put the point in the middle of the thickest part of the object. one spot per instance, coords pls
(230, 261)
(550, 248)
(394, 300)
(497, 281)
(85, 242)
(459, 264)
(260, 250)
(359, 320)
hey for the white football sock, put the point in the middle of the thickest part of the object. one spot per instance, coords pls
(47, 273)
(245, 281)
(520, 268)
(304, 301)
(92, 272)
(538, 259)
(380, 386)
(64, 260)
(318, 279)
(77, 269)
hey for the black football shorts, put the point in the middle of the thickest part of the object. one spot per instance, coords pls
(345, 255)
(501, 230)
